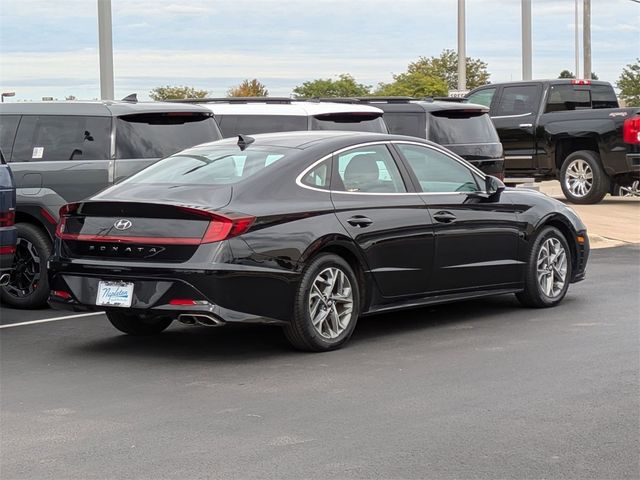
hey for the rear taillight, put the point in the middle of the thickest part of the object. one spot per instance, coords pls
(65, 211)
(631, 130)
(7, 219)
(221, 226)
(8, 250)
(580, 82)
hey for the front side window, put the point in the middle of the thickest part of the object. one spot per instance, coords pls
(369, 169)
(482, 97)
(61, 137)
(518, 100)
(155, 135)
(210, 166)
(437, 172)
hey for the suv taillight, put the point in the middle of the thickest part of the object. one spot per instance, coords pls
(65, 211)
(631, 130)
(7, 219)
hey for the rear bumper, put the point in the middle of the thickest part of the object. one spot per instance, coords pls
(633, 163)
(231, 293)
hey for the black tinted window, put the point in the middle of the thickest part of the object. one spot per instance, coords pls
(154, 135)
(455, 127)
(568, 97)
(53, 137)
(518, 100)
(603, 96)
(412, 124)
(232, 125)
(356, 122)
(8, 127)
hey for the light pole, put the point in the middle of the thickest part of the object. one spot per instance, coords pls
(7, 94)
(105, 48)
(526, 40)
(462, 54)
(577, 38)
(586, 38)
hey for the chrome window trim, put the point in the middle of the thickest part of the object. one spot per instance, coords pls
(513, 116)
(462, 162)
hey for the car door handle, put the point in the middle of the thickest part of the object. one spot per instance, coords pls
(360, 221)
(526, 125)
(444, 217)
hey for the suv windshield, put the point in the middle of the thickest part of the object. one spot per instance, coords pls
(210, 166)
(154, 135)
(457, 127)
(359, 122)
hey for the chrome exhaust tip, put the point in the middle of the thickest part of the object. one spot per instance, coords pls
(4, 279)
(200, 319)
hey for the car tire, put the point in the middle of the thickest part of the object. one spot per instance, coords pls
(545, 268)
(317, 297)
(135, 325)
(583, 179)
(29, 286)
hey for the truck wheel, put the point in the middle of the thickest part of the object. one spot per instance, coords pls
(632, 190)
(28, 286)
(134, 325)
(582, 178)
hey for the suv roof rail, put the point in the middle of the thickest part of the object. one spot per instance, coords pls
(389, 99)
(330, 99)
(368, 99)
(281, 100)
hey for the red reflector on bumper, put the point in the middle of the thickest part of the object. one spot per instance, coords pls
(60, 294)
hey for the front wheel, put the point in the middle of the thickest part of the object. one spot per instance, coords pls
(548, 270)
(326, 307)
(28, 285)
(583, 179)
(135, 325)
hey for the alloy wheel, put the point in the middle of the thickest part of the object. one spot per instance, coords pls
(552, 268)
(579, 178)
(632, 190)
(331, 302)
(26, 270)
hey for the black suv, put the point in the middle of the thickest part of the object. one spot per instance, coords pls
(463, 128)
(62, 152)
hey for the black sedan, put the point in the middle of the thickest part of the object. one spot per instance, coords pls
(309, 231)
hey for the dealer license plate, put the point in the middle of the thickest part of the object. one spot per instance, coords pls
(114, 294)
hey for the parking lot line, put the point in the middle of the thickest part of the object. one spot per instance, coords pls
(46, 320)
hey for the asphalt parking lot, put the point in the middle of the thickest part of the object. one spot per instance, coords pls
(483, 389)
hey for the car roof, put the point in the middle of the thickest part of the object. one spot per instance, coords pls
(308, 139)
(104, 108)
(305, 109)
(555, 81)
(428, 106)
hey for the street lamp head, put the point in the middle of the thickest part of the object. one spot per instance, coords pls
(8, 94)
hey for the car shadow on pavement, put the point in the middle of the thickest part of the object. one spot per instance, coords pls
(248, 342)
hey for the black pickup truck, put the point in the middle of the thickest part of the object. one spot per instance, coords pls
(570, 130)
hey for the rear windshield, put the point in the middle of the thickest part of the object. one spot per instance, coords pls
(214, 166)
(357, 122)
(455, 127)
(575, 97)
(154, 135)
(232, 125)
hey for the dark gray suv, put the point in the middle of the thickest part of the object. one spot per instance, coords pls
(63, 152)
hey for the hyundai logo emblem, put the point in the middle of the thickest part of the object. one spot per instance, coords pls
(123, 224)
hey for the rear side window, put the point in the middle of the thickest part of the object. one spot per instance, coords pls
(319, 176)
(232, 125)
(457, 127)
(62, 137)
(401, 123)
(220, 165)
(482, 97)
(517, 100)
(155, 135)
(357, 122)
(8, 128)
(568, 97)
(369, 169)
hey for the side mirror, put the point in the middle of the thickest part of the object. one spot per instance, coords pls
(493, 186)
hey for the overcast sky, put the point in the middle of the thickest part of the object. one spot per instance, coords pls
(49, 47)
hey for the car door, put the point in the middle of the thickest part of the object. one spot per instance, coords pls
(476, 238)
(514, 116)
(379, 208)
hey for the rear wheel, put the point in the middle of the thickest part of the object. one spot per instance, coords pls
(582, 178)
(136, 325)
(326, 306)
(28, 286)
(548, 270)
(631, 190)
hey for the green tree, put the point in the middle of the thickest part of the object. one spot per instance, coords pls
(176, 93)
(566, 74)
(344, 86)
(445, 66)
(248, 88)
(629, 84)
(413, 84)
